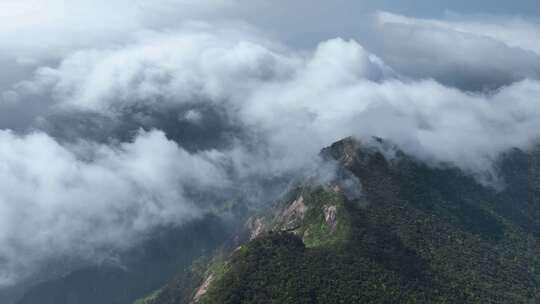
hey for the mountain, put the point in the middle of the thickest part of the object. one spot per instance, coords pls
(388, 229)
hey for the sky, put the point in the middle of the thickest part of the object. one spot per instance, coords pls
(118, 118)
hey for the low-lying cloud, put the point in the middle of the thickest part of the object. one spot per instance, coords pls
(294, 101)
(55, 200)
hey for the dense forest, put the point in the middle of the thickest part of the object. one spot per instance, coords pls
(418, 234)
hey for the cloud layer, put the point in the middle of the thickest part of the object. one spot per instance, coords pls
(38, 30)
(288, 98)
(59, 201)
(143, 123)
(473, 55)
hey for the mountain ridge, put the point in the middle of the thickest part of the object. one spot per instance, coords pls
(418, 234)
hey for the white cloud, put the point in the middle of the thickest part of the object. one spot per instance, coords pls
(512, 31)
(199, 62)
(192, 116)
(54, 202)
(33, 31)
(471, 55)
(296, 102)
(285, 104)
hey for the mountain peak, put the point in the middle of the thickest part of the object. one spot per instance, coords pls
(405, 239)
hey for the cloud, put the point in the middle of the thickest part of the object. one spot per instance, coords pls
(240, 113)
(201, 61)
(37, 30)
(36, 33)
(470, 55)
(515, 32)
(74, 201)
(291, 103)
(325, 102)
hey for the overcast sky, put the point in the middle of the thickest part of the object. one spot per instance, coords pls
(117, 116)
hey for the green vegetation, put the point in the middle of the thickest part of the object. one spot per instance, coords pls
(427, 235)
(309, 221)
(316, 232)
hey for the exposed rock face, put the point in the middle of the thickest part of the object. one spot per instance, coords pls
(330, 216)
(292, 217)
(203, 289)
(289, 218)
(347, 151)
(255, 226)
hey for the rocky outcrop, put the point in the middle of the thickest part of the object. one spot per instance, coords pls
(291, 218)
(203, 289)
(330, 216)
(255, 226)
